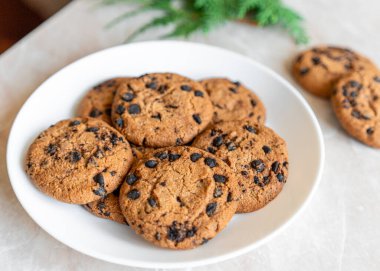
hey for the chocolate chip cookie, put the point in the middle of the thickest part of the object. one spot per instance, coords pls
(161, 109)
(233, 101)
(98, 101)
(256, 154)
(356, 103)
(107, 208)
(79, 160)
(319, 68)
(179, 197)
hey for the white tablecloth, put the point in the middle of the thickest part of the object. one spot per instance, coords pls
(339, 230)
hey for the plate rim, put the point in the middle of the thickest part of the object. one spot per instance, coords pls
(187, 263)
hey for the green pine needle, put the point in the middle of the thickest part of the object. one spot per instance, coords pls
(189, 16)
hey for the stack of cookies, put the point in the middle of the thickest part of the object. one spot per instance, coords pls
(350, 81)
(171, 157)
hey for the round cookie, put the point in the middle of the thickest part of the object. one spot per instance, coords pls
(161, 109)
(256, 154)
(179, 197)
(356, 103)
(319, 68)
(107, 208)
(79, 160)
(233, 101)
(97, 103)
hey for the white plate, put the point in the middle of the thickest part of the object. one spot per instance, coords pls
(57, 98)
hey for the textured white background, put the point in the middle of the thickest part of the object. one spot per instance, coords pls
(339, 230)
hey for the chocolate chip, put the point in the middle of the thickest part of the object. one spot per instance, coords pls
(231, 146)
(244, 173)
(151, 85)
(74, 123)
(178, 142)
(134, 109)
(151, 163)
(131, 179)
(304, 71)
(233, 90)
(218, 192)
(316, 60)
(376, 79)
(120, 109)
(173, 157)
(157, 116)
(161, 155)
(250, 129)
(74, 156)
(266, 149)
(108, 111)
(275, 166)
(198, 93)
(128, 96)
(213, 132)
(253, 103)
(152, 202)
(356, 114)
(256, 180)
(51, 149)
(195, 157)
(211, 208)
(354, 83)
(175, 234)
(133, 194)
(219, 178)
(119, 122)
(190, 233)
(258, 165)
(218, 141)
(229, 197)
(197, 118)
(100, 191)
(204, 241)
(98, 178)
(113, 173)
(161, 89)
(211, 162)
(95, 113)
(185, 88)
(370, 131)
(211, 150)
(280, 177)
(92, 129)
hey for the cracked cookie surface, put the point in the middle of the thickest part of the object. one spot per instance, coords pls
(97, 103)
(79, 160)
(233, 101)
(179, 197)
(319, 68)
(356, 103)
(161, 109)
(256, 154)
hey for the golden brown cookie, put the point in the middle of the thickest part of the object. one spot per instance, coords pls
(319, 68)
(256, 154)
(356, 103)
(79, 160)
(179, 197)
(97, 103)
(161, 109)
(233, 101)
(107, 208)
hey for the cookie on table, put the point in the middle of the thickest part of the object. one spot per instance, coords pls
(356, 103)
(78, 160)
(161, 109)
(97, 103)
(319, 68)
(256, 154)
(179, 197)
(233, 101)
(107, 208)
